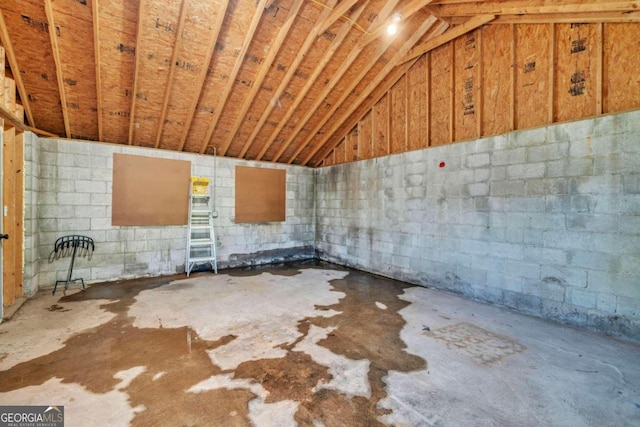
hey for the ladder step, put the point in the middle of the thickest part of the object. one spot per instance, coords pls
(201, 227)
(202, 259)
(201, 242)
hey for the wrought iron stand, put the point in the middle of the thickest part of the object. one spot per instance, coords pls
(73, 245)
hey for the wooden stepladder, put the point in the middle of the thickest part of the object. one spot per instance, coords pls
(201, 238)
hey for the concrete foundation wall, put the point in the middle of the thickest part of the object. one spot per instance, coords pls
(69, 186)
(546, 221)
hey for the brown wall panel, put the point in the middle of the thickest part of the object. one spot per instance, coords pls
(260, 194)
(467, 82)
(621, 79)
(150, 191)
(532, 75)
(399, 116)
(365, 137)
(381, 127)
(440, 96)
(339, 150)
(417, 103)
(496, 78)
(575, 68)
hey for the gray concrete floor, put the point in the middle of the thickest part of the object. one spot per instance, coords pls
(310, 344)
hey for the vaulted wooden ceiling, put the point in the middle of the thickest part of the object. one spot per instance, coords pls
(263, 79)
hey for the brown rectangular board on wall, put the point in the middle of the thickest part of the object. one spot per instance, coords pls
(260, 194)
(496, 78)
(150, 191)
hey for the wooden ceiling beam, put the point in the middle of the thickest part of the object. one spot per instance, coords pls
(406, 12)
(172, 69)
(199, 86)
(559, 18)
(291, 70)
(533, 7)
(96, 56)
(453, 33)
(337, 13)
(326, 57)
(266, 66)
(415, 36)
(136, 64)
(233, 74)
(391, 76)
(13, 63)
(56, 58)
(335, 79)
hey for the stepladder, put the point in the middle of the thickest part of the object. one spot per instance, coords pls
(201, 238)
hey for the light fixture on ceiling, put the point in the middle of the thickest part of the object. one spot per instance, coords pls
(392, 28)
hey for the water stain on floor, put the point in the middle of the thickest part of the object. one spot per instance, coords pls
(367, 326)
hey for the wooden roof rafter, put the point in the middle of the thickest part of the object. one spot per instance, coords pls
(306, 45)
(58, 63)
(96, 56)
(405, 12)
(13, 63)
(199, 87)
(132, 111)
(266, 66)
(233, 74)
(172, 69)
(395, 76)
(335, 79)
(424, 27)
(470, 25)
(559, 18)
(328, 54)
(337, 13)
(532, 7)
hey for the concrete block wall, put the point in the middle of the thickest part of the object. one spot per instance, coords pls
(69, 190)
(546, 221)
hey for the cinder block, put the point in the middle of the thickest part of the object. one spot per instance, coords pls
(561, 239)
(506, 250)
(631, 183)
(508, 157)
(570, 167)
(525, 204)
(614, 243)
(567, 276)
(592, 222)
(623, 163)
(600, 184)
(546, 152)
(529, 137)
(522, 269)
(90, 187)
(477, 160)
(592, 260)
(73, 199)
(582, 298)
(101, 223)
(606, 303)
(528, 170)
(629, 307)
(629, 224)
(547, 221)
(507, 188)
(544, 289)
(570, 203)
(546, 186)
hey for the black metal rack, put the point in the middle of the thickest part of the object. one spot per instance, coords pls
(74, 245)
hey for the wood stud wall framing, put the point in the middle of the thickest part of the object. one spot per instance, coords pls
(560, 72)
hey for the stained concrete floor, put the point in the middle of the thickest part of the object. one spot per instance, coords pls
(310, 344)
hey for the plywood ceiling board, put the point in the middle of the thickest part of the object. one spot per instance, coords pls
(27, 28)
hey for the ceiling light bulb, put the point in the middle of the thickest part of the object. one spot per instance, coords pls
(392, 29)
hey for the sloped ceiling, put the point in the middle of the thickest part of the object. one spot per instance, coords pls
(261, 79)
